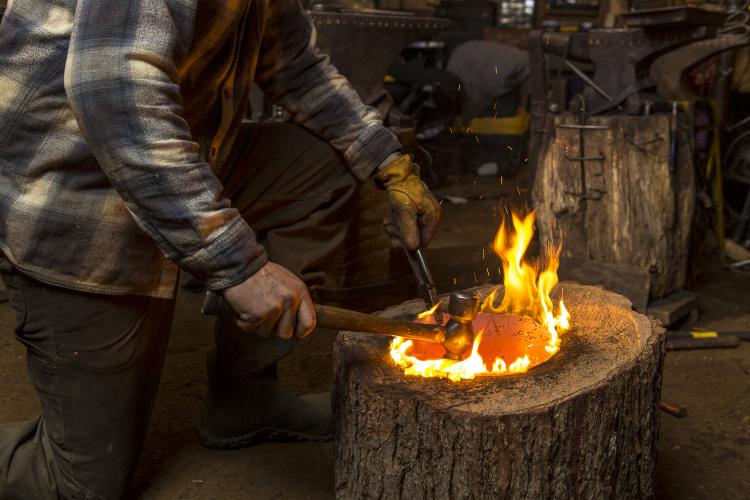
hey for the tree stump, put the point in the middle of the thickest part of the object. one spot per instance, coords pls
(623, 204)
(583, 425)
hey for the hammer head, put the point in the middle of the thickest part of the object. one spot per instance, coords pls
(463, 307)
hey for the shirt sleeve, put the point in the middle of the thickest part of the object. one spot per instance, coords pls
(122, 82)
(301, 79)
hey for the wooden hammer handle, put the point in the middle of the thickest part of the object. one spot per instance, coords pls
(335, 318)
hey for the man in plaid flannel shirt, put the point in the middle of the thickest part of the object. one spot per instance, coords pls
(123, 156)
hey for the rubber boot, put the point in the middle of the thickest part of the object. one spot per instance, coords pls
(251, 407)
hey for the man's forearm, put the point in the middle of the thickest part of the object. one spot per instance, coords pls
(124, 93)
(302, 80)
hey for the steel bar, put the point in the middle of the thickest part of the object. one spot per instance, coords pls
(678, 411)
(697, 334)
(591, 83)
(702, 343)
(582, 127)
(740, 229)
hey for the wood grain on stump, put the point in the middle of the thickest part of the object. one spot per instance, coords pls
(583, 425)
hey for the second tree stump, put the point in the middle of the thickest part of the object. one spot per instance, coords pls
(626, 203)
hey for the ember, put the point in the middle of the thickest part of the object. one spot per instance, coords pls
(521, 332)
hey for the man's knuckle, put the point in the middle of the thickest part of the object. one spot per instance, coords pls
(287, 302)
(285, 332)
(247, 317)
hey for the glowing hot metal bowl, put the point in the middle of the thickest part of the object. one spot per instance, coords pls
(505, 344)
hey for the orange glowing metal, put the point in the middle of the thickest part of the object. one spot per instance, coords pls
(523, 327)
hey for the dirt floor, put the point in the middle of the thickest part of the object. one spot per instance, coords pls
(703, 456)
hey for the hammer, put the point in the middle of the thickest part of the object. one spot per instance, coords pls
(456, 336)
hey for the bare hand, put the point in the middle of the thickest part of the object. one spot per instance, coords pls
(273, 301)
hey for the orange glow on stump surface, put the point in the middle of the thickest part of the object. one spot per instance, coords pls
(521, 332)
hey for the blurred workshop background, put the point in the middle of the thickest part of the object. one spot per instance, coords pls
(624, 123)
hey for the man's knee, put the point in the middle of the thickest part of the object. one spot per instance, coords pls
(34, 465)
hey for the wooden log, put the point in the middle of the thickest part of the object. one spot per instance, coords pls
(672, 308)
(702, 343)
(583, 425)
(630, 281)
(625, 208)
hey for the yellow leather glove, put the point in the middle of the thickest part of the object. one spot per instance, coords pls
(414, 210)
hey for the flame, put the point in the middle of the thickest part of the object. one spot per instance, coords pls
(527, 286)
(429, 312)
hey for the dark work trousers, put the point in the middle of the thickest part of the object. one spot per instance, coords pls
(95, 360)
(298, 195)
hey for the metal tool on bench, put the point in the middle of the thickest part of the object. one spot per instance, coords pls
(457, 335)
(678, 340)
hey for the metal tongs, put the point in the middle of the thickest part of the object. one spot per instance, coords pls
(423, 276)
(424, 279)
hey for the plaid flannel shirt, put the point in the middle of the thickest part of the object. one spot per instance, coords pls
(116, 114)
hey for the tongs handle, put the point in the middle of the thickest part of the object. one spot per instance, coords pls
(419, 268)
(423, 275)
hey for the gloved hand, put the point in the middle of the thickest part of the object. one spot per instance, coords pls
(414, 210)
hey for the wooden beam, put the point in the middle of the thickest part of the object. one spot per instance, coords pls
(673, 307)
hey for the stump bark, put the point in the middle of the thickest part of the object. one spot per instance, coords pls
(583, 425)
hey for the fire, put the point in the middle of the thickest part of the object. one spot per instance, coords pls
(524, 327)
